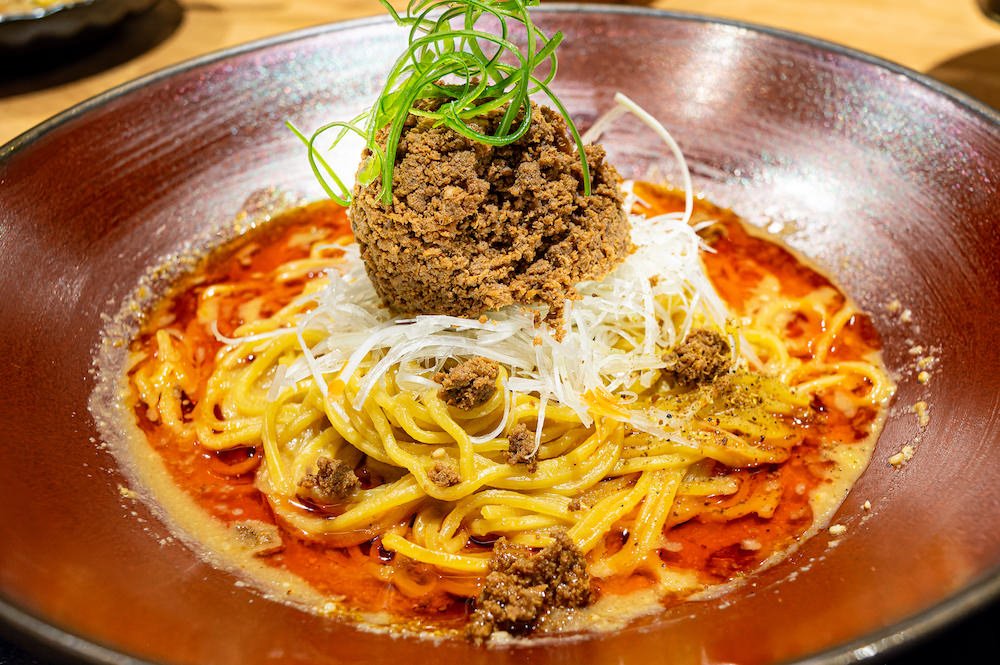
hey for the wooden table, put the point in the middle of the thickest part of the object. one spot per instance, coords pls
(948, 39)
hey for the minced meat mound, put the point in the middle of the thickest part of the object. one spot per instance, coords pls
(469, 384)
(523, 587)
(474, 227)
(700, 358)
(444, 474)
(521, 447)
(332, 481)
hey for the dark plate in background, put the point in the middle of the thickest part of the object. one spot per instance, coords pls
(889, 177)
(62, 21)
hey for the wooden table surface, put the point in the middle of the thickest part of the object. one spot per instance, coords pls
(948, 39)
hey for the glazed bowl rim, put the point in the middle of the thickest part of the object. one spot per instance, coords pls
(22, 626)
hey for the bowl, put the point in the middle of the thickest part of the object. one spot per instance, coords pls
(882, 176)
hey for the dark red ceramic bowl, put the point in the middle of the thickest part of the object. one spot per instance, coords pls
(891, 178)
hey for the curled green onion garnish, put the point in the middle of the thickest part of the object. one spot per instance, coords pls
(472, 70)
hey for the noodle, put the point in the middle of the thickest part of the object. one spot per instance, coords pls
(290, 365)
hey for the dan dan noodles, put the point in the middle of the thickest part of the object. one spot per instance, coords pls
(510, 390)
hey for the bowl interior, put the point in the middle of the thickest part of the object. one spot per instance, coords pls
(886, 182)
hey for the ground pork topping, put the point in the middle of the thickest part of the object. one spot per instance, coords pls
(521, 449)
(700, 358)
(444, 474)
(256, 537)
(474, 227)
(332, 481)
(469, 384)
(523, 587)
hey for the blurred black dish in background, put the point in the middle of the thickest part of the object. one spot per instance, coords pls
(991, 8)
(65, 20)
(50, 59)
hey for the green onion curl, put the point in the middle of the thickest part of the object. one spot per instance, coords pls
(471, 70)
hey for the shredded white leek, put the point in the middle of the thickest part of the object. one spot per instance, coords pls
(614, 335)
